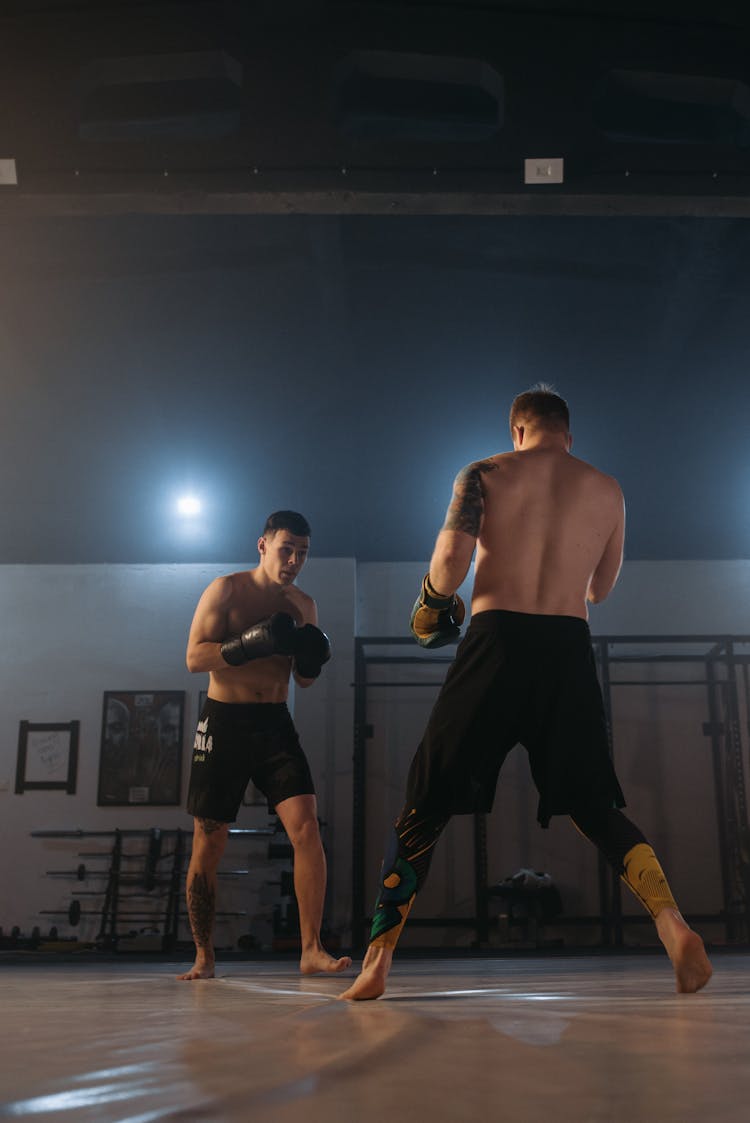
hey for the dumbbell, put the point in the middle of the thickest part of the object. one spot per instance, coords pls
(80, 872)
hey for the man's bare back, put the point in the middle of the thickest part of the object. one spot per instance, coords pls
(551, 533)
(548, 530)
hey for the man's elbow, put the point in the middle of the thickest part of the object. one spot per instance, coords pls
(598, 593)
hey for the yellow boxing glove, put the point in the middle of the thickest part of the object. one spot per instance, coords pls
(436, 619)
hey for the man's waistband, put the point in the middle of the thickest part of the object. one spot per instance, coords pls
(494, 618)
(244, 709)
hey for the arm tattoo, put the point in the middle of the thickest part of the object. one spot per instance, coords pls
(467, 505)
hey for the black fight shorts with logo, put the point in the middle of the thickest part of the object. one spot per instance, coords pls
(239, 742)
(518, 678)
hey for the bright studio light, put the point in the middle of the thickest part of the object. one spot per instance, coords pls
(189, 506)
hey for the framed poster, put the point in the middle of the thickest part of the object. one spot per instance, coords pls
(141, 748)
(47, 756)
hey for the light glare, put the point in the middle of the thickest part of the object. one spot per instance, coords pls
(189, 505)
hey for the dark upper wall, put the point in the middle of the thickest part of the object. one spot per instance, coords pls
(104, 98)
(213, 328)
(349, 367)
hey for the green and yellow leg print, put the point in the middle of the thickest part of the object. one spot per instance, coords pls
(404, 871)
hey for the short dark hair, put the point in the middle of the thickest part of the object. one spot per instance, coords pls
(542, 407)
(287, 520)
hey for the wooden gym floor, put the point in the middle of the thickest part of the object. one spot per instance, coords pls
(590, 1039)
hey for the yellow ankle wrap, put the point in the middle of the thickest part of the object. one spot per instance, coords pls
(645, 877)
(389, 938)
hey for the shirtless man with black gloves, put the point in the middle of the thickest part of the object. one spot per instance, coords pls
(250, 631)
(548, 531)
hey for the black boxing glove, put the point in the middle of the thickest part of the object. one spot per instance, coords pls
(274, 636)
(312, 649)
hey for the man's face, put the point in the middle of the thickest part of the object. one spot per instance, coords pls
(117, 723)
(282, 555)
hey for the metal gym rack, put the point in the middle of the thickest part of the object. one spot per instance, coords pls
(151, 876)
(725, 660)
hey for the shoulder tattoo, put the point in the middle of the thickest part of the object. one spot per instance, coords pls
(467, 505)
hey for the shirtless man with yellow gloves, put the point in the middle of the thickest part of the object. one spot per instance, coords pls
(548, 531)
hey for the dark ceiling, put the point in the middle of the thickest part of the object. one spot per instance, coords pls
(286, 255)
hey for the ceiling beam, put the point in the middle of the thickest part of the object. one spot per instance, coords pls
(353, 202)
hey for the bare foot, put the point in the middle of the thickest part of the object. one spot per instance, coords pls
(685, 949)
(201, 969)
(370, 983)
(317, 961)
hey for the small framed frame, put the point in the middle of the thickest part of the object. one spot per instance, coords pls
(47, 756)
(140, 757)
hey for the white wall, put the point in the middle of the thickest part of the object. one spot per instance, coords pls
(72, 632)
(650, 598)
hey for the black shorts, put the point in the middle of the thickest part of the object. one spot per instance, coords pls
(518, 678)
(239, 742)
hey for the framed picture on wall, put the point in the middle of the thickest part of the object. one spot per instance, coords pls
(47, 756)
(141, 748)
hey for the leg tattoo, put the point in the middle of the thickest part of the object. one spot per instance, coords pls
(201, 910)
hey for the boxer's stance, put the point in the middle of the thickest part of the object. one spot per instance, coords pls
(548, 531)
(250, 631)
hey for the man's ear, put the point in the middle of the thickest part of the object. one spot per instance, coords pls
(518, 433)
(261, 545)
(570, 441)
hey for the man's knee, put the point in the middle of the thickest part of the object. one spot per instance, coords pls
(304, 832)
(209, 840)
